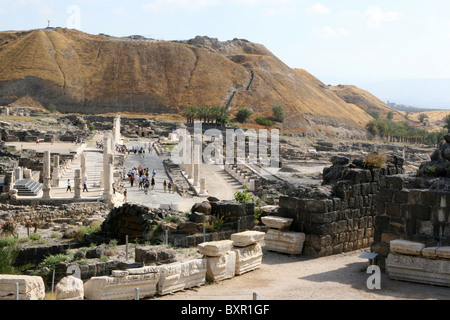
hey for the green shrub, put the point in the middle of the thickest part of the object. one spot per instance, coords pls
(278, 113)
(243, 196)
(8, 255)
(243, 114)
(263, 121)
(8, 241)
(83, 230)
(35, 236)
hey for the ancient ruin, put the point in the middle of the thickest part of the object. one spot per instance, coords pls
(129, 246)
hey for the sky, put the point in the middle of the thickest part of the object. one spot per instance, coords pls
(359, 42)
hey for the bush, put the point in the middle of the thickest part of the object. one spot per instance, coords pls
(82, 231)
(243, 114)
(375, 160)
(243, 196)
(278, 113)
(8, 256)
(264, 121)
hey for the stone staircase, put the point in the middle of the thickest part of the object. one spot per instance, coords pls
(28, 187)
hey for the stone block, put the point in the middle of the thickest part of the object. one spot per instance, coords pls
(284, 241)
(246, 238)
(153, 254)
(122, 284)
(69, 288)
(248, 258)
(394, 182)
(418, 269)
(406, 247)
(277, 222)
(215, 248)
(429, 252)
(291, 203)
(443, 252)
(221, 268)
(30, 287)
(179, 276)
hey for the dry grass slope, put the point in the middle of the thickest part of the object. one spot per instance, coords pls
(86, 73)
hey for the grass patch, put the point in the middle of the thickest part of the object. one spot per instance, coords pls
(375, 160)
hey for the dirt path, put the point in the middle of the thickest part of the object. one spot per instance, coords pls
(285, 277)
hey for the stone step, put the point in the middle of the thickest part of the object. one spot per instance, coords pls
(28, 187)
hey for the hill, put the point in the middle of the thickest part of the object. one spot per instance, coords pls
(83, 73)
(366, 101)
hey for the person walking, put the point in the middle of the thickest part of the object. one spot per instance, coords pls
(125, 195)
(85, 185)
(68, 186)
(165, 186)
(173, 187)
(153, 183)
(170, 186)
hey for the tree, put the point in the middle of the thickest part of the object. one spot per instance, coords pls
(278, 113)
(423, 117)
(447, 122)
(390, 115)
(243, 114)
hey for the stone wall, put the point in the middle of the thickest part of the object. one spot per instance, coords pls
(141, 223)
(409, 210)
(339, 215)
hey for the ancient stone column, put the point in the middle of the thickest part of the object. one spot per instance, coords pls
(191, 164)
(46, 175)
(27, 174)
(116, 129)
(203, 190)
(108, 178)
(108, 163)
(18, 173)
(77, 184)
(196, 166)
(106, 152)
(56, 174)
(83, 166)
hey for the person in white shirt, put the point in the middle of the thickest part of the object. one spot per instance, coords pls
(85, 185)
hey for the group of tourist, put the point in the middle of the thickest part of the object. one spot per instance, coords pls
(140, 177)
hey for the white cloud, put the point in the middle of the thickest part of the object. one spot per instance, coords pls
(170, 5)
(318, 8)
(328, 32)
(375, 17)
(280, 10)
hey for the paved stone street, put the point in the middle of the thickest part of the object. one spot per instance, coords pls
(219, 183)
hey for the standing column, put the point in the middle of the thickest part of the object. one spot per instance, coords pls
(108, 162)
(77, 184)
(106, 152)
(46, 175)
(56, 174)
(116, 129)
(83, 166)
(203, 192)
(109, 178)
(196, 166)
(191, 163)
